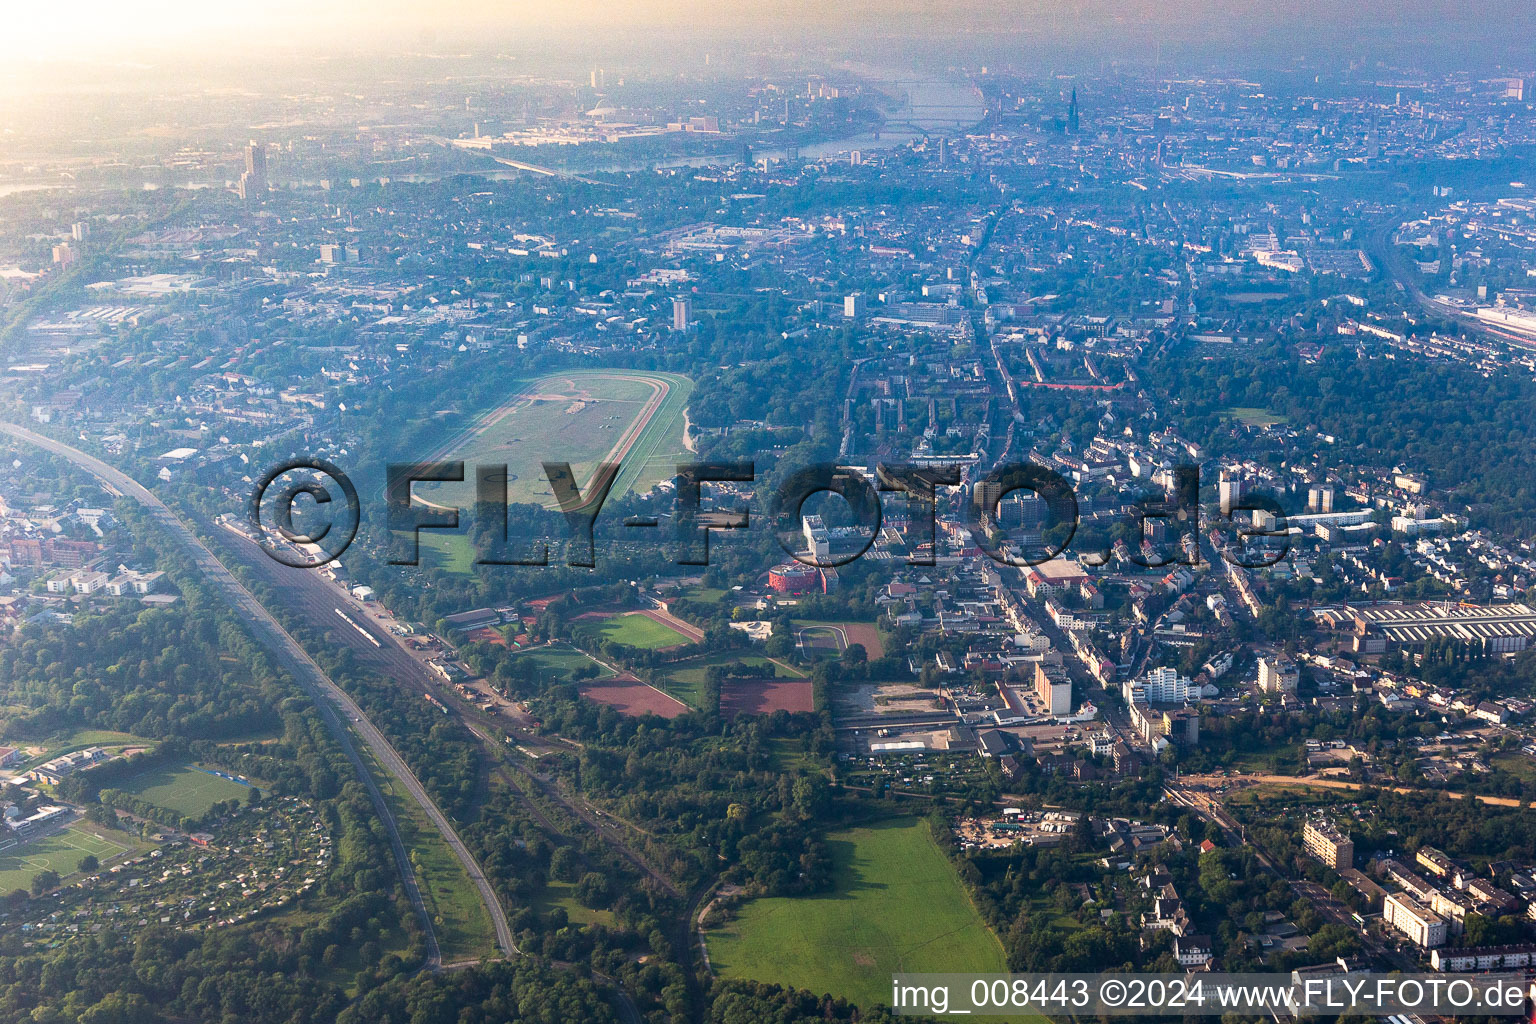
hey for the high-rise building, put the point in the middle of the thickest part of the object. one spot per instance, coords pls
(1072, 119)
(682, 312)
(1230, 488)
(80, 230)
(1161, 686)
(943, 152)
(1054, 688)
(1278, 675)
(818, 542)
(1328, 844)
(63, 254)
(253, 182)
(853, 306)
(256, 161)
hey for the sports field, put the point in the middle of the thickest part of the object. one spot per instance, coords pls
(559, 661)
(636, 629)
(629, 696)
(765, 696)
(685, 679)
(60, 852)
(186, 790)
(582, 417)
(826, 639)
(897, 905)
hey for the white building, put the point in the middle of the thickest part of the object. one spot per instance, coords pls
(1161, 686)
(1278, 675)
(1423, 926)
(817, 541)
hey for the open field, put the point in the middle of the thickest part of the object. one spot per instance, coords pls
(636, 629)
(884, 698)
(789, 754)
(1255, 417)
(764, 696)
(897, 905)
(563, 895)
(629, 696)
(187, 790)
(60, 851)
(1516, 763)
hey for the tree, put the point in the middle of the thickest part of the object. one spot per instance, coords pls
(120, 1008)
(594, 890)
(44, 880)
(88, 863)
(565, 865)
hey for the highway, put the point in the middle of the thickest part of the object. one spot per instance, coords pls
(328, 697)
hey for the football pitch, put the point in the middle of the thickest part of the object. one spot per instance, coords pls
(186, 790)
(60, 852)
(634, 629)
(896, 905)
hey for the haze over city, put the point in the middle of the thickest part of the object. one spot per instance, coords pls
(682, 513)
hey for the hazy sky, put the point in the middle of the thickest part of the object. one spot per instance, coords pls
(130, 29)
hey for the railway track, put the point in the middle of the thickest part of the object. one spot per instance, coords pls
(332, 702)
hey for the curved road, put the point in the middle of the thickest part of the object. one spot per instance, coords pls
(325, 693)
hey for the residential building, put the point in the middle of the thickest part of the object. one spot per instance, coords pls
(1423, 927)
(1278, 675)
(1054, 688)
(1328, 844)
(1435, 862)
